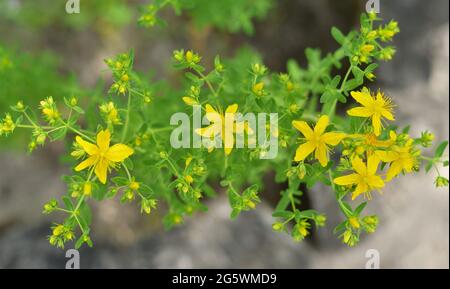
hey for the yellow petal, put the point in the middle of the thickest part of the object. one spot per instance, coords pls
(303, 151)
(89, 148)
(392, 136)
(321, 125)
(304, 128)
(209, 131)
(375, 182)
(228, 150)
(189, 100)
(347, 180)
(210, 109)
(387, 156)
(332, 138)
(101, 170)
(118, 153)
(211, 114)
(241, 127)
(387, 114)
(232, 108)
(360, 189)
(103, 139)
(228, 141)
(359, 166)
(360, 112)
(394, 170)
(376, 123)
(372, 164)
(363, 98)
(89, 162)
(321, 154)
(408, 164)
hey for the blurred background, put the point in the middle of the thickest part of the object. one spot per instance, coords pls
(44, 51)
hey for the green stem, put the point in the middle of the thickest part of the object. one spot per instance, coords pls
(341, 89)
(207, 82)
(127, 119)
(162, 129)
(64, 210)
(291, 197)
(30, 119)
(173, 167)
(232, 189)
(344, 210)
(127, 171)
(79, 132)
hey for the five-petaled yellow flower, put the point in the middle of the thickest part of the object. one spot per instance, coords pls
(365, 177)
(376, 107)
(224, 125)
(401, 158)
(102, 157)
(316, 140)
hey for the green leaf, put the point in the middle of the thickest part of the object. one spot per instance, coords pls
(429, 166)
(79, 242)
(58, 134)
(360, 208)
(305, 214)
(209, 191)
(78, 109)
(120, 181)
(235, 213)
(284, 201)
(282, 214)
(294, 70)
(192, 77)
(370, 68)
(68, 203)
(347, 207)
(406, 129)
(85, 214)
(440, 149)
(353, 83)
(340, 227)
(358, 73)
(99, 192)
(338, 35)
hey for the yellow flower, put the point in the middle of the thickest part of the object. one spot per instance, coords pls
(7, 125)
(49, 110)
(354, 222)
(189, 179)
(376, 108)
(134, 186)
(110, 113)
(58, 230)
(317, 140)
(364, 178)
(189, 100)
(87, 189)
(191, 57)
(102, 157)
(367, 49)
(400, 159)
(258, 89)
(223, 125)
